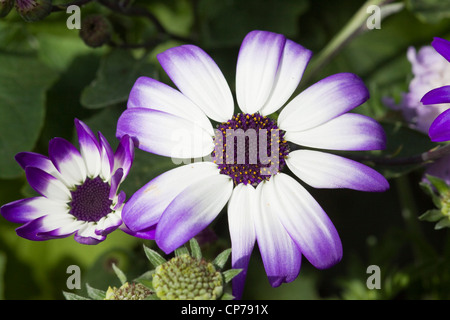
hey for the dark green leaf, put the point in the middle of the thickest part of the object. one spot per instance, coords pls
(430, 11)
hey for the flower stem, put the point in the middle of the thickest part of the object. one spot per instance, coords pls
(355, 26)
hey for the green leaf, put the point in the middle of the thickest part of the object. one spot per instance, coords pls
(222, 258)
(196, 252)
(444, 223)
(154, 257)
(23, 85)
(181, 251)
(230, 274)
(438, 183)
(430, 11)
(122, 277)
(94, 293)
(116, 75)
(431, 215)
(73, 296)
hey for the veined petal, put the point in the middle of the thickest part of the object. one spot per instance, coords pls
(349, 131)
(145, 207)
(293, 63)
(165, 134)
(305, 221)
(152, 94)
(124, 155)
(325, 170)
(199, 78)
(107, 158)
(24, 210)
(280, 255)
(440, 128)
(257, 67)
(436, 96)
(442, 46)
(47, 185)
(323, 101)
(89, 148)
(192, 210)
(68, 160)
(242, 203)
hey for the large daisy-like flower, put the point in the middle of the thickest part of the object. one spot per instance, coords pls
(264, 205)
(78, 188)
(440, 129)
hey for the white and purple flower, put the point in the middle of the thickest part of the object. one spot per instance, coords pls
(78, 189)
(440, 95)
(267, 207)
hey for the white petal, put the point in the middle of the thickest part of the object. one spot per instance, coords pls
(323, 101)
(349, 131)
(199, 78)
(242, 203)
(305, 221)
(165, 134)
(280, 255)
(152, 94)
(292, 66)
(257, 66)
(325, 170)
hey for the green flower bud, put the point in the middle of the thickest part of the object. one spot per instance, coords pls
(133, 291)
(95, 30)
(5, 7)
(33, 10)
(439, 192)
(187, 278)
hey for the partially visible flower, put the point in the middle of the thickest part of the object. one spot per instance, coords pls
(430, 70)
(33, 10)
(128, 291)
(264, 205)
(5, 7)
(78, 189)
(440, 128)
(439, 191)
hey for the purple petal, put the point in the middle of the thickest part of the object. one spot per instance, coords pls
(145, 207)
(436, 96)
(442, 46)
(325, 170)
(165, 134)
(89, 148)
(305, 221)
(242, 232)
(293, 63)
(107, 157)
(257, 66)
(323, 101)
(280, 255)
(349, 131)
(440, 128)
(68, 160)
(199, 78)
(192, 211)
(47, 185)
(148, 233)
(152, 94)
(24, 210)
(48, 227)
(115, 182)
(124, 155)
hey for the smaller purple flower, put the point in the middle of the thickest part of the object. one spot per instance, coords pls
(78, 189)
(440, 128)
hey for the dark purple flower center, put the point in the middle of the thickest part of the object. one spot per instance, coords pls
(249, 148)
(90, 201)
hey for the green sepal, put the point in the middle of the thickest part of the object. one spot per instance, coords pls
(221, 259)
(195, 248)
(73, 296)
(444, 223)
(119, 273)
(154, 257)
(230, 274)
(181, 251)
(95, 294)
(432, 215)
(438, 183)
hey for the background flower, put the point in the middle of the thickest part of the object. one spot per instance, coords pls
(78, 189)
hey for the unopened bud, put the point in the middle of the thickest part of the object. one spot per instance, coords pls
(33, 10)
(95, 30)
(5, 7)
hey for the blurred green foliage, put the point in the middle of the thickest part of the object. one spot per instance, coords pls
(49, 76)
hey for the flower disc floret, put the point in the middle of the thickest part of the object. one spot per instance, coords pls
(187, 278)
